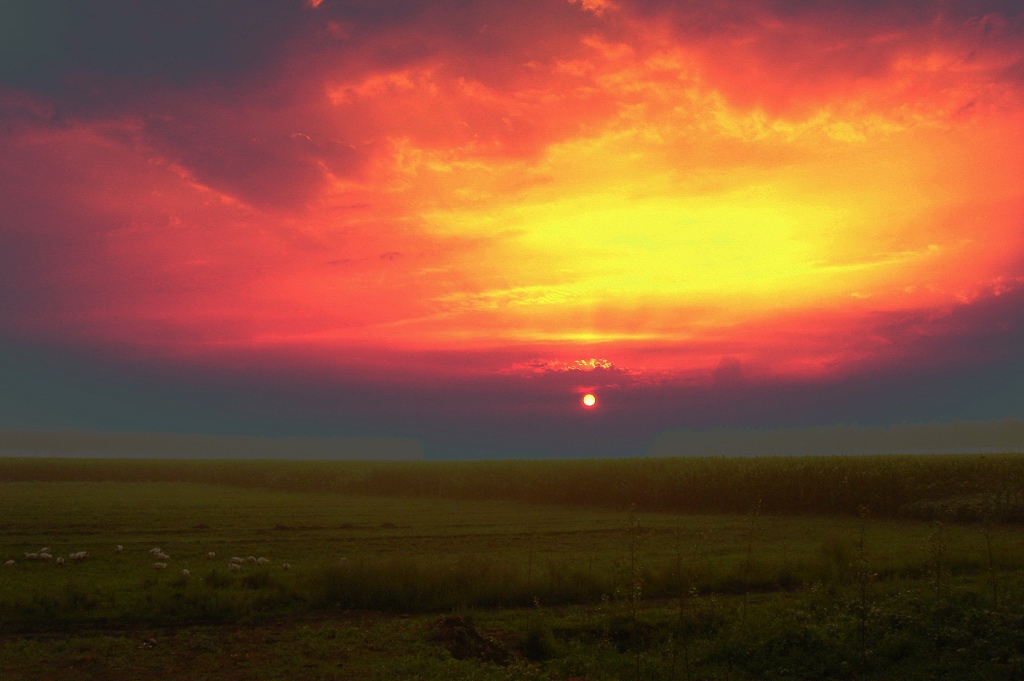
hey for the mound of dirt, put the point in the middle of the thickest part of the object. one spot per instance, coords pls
(464, 642)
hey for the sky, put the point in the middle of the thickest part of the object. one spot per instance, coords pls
(449, 221)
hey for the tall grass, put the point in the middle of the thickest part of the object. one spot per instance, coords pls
(401, 584)
(928, 487)
(211, 598)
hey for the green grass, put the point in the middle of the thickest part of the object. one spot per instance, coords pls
(967, 487)
(807, 635)
(416, 555)
(573, 590)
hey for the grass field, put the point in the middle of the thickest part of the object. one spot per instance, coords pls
(960, 487)
(540, 590)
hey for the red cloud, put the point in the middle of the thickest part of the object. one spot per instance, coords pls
(765, 191)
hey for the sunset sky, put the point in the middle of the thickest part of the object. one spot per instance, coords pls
(451, 220)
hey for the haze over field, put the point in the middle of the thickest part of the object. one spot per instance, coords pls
(450, 221)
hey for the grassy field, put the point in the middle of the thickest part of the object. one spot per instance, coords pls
(938, 487)
(518, 588)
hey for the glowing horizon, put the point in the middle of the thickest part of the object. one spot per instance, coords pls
(632, 191)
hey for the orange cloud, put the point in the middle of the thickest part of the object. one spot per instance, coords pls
(671, 190)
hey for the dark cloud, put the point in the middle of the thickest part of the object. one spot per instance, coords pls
(266, 158)
(44, 236)
(986, 331)
(711, 15)
(1015, 73)
(236, 92)
(465, 415)
(56, 46)
(195, 74)
(729, 372)
(791, 56)
(68, 49)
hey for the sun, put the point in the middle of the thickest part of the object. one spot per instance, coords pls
(589, 400)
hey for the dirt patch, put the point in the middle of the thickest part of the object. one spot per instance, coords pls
(464, 642)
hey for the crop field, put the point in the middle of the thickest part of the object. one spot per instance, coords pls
(402, 571)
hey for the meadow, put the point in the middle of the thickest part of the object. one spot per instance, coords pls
(778, 568)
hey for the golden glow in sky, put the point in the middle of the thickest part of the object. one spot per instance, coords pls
(647, 190)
